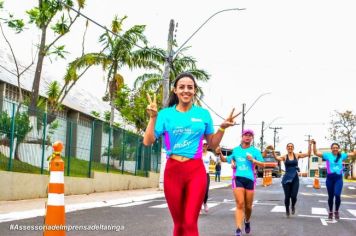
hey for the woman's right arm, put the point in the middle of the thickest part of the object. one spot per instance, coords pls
(316, 152)
(278, 158)
(149, 137)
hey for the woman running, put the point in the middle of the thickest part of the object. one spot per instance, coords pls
(244, 158)
(334, 177)
(184, 127)
(290, 180)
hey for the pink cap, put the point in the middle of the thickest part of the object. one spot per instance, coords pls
(248, 131)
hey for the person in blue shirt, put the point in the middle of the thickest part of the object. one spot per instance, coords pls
(184, 126)
(334, 177)
(290, 180)
(244, 159)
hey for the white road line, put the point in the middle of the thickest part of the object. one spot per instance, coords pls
(319, 211)
(266, 204)
(160, 206)
(353, 212)
(310, 186)
(351, 187)
(132, 204)
(233, 209)
(323, 222)
(343, 203)
(333, 221)
(211, 205)
(279, 209)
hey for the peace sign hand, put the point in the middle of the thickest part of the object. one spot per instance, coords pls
(230, 120)
(152, 106)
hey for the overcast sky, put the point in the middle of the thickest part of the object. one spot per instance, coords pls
(301, 52)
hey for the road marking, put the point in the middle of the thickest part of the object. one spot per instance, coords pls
(351, 187)
(343, 203)
(279, 209)
(310, 186)
(160, 206)
(353, 212)
(266, 204)
(319, 211)
(132, 204)
(211, 205)
(233, 209)
(328, 221)
(323, 222)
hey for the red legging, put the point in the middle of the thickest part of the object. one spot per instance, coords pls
(184, 188)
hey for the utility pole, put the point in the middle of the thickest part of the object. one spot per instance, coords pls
(261, 139)
(243, 117)
(308, 140)
(274, 143)
(166, 89)
(275, 135)
(167, 65)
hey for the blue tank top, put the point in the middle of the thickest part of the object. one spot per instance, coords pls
(291, 169)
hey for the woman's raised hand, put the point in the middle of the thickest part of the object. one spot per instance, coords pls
(230, 120)
(152, 106)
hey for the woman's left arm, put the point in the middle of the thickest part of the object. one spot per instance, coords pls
(215, 139)
(254, 161)
(302, 155)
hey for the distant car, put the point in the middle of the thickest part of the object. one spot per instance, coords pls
(275, 171)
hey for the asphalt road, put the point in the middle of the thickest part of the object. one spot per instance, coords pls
(152, 217)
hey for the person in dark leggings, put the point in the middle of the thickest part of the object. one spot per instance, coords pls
(290, 180)
(334, 177)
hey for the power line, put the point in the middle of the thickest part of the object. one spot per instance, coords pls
(104, 27)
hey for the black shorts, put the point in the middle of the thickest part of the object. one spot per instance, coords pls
(242, 182)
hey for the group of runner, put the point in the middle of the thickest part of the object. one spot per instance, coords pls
(185, 126)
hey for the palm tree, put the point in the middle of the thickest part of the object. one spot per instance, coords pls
(181, 63)
(118, 51)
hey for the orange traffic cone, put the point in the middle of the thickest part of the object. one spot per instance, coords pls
(55, 211)
(269, 177)
(264, 180)
(316, 183)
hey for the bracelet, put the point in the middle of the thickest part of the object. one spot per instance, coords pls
(221, 129)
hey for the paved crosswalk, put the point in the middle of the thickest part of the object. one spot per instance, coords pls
(349, 208)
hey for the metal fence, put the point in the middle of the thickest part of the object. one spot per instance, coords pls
(89, 144)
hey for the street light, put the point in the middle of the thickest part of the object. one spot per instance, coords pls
(243, 110)
(201, 26)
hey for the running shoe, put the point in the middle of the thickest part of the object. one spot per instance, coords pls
(336, 214)
(287, 212)
(293, 210)
(247, 227)
(330, 216)
(238, 232)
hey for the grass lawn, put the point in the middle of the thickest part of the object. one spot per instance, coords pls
(78, 168)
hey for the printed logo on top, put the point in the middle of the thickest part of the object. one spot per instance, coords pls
(196, 119)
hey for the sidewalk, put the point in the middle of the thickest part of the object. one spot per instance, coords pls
(23, 209)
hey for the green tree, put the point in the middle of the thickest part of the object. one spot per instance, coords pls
(22, 127)
(152, 83)
(181, 63)
(118, 52)
(343, 130)
(43, 16)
